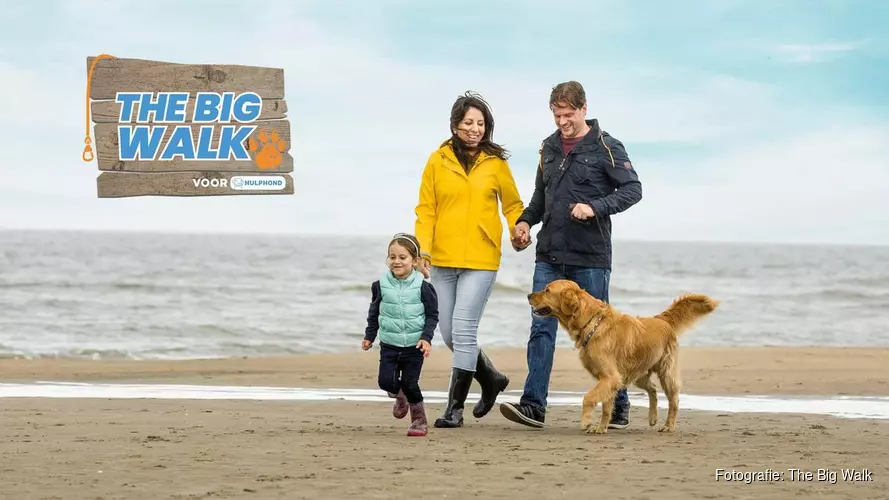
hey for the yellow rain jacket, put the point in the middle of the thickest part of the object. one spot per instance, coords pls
(458, 222)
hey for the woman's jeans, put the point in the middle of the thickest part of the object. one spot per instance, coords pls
(462, 297)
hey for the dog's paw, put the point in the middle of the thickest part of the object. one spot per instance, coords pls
(599, 429)
(585, 426)
(666, 429)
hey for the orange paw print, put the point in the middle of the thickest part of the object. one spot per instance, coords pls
(269, 147)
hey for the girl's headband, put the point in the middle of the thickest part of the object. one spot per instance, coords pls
(405, 236)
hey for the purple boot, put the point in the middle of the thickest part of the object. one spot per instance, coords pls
(418, 425)
(399, 409)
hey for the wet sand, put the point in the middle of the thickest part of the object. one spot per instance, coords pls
(185, 449)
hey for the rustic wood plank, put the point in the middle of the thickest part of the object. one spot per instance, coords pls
(109, 111)
(177, 165)
(142, 75)
(106, 144)
(132, 184)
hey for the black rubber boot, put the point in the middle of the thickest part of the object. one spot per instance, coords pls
(457, 392)
(492, 382)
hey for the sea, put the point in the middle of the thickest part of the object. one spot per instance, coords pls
(130, 295)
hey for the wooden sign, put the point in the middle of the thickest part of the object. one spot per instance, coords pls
(202, 127)
(121, 185)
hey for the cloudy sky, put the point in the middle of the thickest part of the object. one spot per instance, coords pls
(752, 121)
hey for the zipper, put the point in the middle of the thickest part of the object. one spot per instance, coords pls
(564, 159)
(466, 215)
(403, 320)
(472, 169)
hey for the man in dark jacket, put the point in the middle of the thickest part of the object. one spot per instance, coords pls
(584, 177)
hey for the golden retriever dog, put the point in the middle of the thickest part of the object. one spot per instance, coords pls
(618, 349)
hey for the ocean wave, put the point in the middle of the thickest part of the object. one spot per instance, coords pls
(186, 296)
(355, 288)
(873, 281)
(141, 286)
(849, 294)
(93, 354)
(215, 351)
(498, 286)
(518, 290)
(823, 293)
(511, 288)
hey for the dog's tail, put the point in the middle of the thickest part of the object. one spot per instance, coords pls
(687, 310)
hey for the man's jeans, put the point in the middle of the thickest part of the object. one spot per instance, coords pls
(542, 344)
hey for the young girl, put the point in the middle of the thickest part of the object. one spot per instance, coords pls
(404, 311)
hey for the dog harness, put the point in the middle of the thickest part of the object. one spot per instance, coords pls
(590, 335)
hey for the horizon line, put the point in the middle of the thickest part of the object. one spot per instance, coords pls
(178, 232)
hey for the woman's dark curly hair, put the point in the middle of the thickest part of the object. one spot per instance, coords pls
(468, 100)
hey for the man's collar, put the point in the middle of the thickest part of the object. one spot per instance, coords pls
(592, 136)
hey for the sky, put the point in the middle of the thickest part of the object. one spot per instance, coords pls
(756, 121)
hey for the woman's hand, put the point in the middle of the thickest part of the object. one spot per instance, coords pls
(423, 266)
(424, 346)
(366, 344)
(520, 236)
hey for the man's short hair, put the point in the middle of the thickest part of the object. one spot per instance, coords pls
(570, 93)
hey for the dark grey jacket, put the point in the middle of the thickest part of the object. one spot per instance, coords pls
(597, 172)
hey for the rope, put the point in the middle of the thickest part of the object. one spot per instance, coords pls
(88, 149)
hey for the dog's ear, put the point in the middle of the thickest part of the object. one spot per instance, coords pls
(569, 302)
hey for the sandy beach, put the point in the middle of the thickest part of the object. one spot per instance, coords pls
(190, 449)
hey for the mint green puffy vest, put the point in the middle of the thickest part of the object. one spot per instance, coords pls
(402, 314)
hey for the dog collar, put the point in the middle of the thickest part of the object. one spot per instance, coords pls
(590, 335)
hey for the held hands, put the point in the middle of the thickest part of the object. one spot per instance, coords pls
(424, 346)
(521, 236)
(366, 344)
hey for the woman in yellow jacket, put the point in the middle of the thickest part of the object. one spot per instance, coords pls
(458, 224)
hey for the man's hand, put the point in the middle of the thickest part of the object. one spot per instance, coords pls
(582, 211)
(365, 344)
(425, 347)
(521, 236)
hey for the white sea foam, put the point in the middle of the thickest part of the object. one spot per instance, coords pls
(838, 406)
